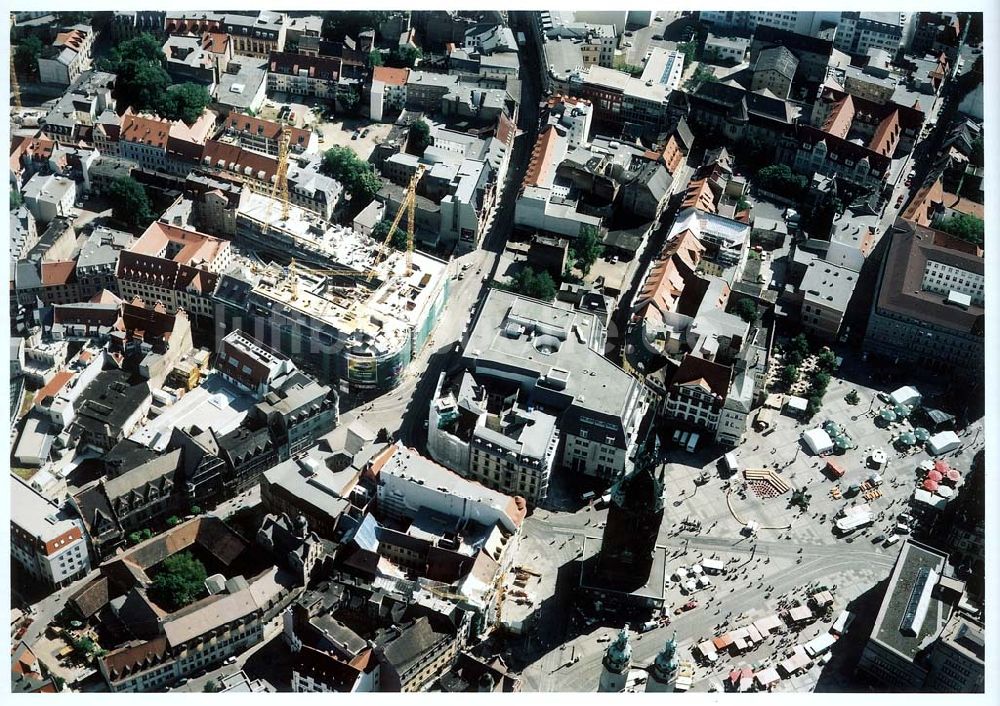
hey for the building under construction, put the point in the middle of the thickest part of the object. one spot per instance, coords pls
(343, 306)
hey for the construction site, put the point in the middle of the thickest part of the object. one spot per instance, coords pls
(348, 308)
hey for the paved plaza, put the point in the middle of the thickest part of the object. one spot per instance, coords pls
(792, 550)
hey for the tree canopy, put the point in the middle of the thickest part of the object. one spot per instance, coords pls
(339, 24)
(184, 101)
(26, 55)
(139, 63)
(130, 202)
(15, 199)
(537, 285)
(358, 177)
(746, 309)
(179, 581)
(375, 58)
(780, 179)
(588, 247)
(419, 137)
(381, 230)
(964, 227)
(405, 57)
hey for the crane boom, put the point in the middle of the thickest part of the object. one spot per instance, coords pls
(408, 206)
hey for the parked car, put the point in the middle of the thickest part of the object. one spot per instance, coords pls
(230, 660)
(878, 538)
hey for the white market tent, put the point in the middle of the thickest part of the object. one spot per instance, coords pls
(820, 644)
(906, 395)
(797, 404)
(818, 441)
(943, 442)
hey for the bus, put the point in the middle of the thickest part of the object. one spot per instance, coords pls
(853, 521)
(692, 442)
(684, 438)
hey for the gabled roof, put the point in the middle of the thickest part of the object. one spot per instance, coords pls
(390, 76)
(698, 372)
(145, 130)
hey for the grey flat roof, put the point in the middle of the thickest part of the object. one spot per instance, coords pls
(35, 514)
(912, 558)
(323, 490)
(512, 332)
(828, 284)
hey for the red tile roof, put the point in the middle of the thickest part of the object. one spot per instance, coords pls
(235, 159)
(52, 387)
(145, 130)
(391, 76)
(56, 273)
(541, 157)
(265, 128)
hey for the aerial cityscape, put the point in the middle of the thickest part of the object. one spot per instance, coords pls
(497, 351)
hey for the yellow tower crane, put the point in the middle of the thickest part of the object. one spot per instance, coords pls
(409, 207)
(279, 190)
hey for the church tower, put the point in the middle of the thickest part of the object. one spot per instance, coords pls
(617, 662)
(663, 671)
(634, 518)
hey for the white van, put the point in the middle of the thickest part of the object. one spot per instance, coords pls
(731, 465)
(692, 442)
(892, 540)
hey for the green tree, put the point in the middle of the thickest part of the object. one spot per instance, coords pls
(375, 58)
(813, 405)
(800, 498)
(820, 382)
(349, 98)
(179, 581)
(15, 199)
(800, 344)
(746, 309)
(210, 687)
(537, 285)
(780, 179)
(688, 49)
(631, 69)
(419, 137)
(789, 375)
(338, 24)
(358, 177)
(142, 78)
(964, 227)
(26, 55)
(976, 156)
(826, 360)
(382, 436)
(588, 247)
(184, 101)
(852, 397)
(405, 56)
(173, 521)
(195, 510)
(381, 231)
(130, 204)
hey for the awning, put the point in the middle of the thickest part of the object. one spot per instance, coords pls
(902, 411)
(930, 486)
(887, 415)
(934, 476)
(953, 476)
(767, 676)
(921, 434)
(944, 491)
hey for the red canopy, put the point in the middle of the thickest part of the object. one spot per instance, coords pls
(930, 485)
(934, 476)
(941, 466)
(953, 475)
